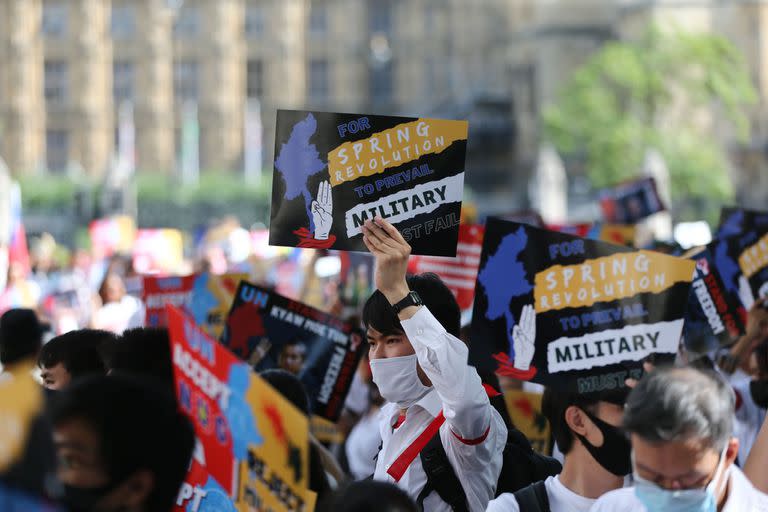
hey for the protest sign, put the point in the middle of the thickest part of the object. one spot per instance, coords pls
(112, 235)
(21, 401)
(332, 172)
(211, 298)
(272, 331)
(572, 313)
(619, 234)
(631, 201)
(734, 221)
(206, 297)
(713, 315)
(742, 263)
(159, 292)
(158, 251)
(525, 412)
(457, 273)
(252, 445)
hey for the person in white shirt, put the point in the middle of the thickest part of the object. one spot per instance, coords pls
(680, 422)
(596, 452)
(420, 367)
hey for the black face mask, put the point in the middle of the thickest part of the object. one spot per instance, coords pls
(615, 454)
(759, 391)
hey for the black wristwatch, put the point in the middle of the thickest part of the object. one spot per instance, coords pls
(412, 299)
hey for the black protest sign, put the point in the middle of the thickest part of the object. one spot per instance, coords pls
(332, 172)
(572, 313)
(712, 317)
(272, 331)
(630, 202)
(742, 263)
(735, 221)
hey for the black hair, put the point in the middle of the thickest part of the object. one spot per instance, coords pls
(378, 313)
(554, 403)
(81, 352)
(370, 496)
(21, 335)
(144, 351)
(139, 428)
(288, 385)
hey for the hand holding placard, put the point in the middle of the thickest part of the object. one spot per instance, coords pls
(322, 211)
(524, 338)
(391, 252)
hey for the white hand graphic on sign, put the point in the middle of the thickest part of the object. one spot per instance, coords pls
(322, 211)
(524, 338)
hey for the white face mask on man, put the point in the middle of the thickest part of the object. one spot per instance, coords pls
(398, 381)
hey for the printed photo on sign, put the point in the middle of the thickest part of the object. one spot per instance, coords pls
(252, 444)
(631, 202)
(271, 331)
(332, 172)
(572, 313)
(457, 273)
(712, 317)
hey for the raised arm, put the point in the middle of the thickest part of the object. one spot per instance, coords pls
(441, 356)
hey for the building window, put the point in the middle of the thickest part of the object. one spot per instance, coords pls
(57, 150)
(380, 16)
(123, 22)
(56, 81)
(431, 85)
(430, 18)
(318, 19)
(254, 80)
(318, 80)
(123, 81)
(187, 23)
(254, 21)
(54, 22)
(381, 83)
(185, 73)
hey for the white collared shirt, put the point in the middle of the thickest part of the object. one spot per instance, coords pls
(561, 499)
(742, 497)
(473, 435)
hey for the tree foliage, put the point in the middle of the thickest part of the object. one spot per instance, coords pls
(667, 90)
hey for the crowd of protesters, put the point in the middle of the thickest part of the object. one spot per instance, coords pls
(691, 437)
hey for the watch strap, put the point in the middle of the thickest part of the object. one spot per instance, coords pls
(412, 299)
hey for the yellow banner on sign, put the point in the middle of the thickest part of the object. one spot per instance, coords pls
(392, 148)
(21, 399)
(621, 234)
(223, 288)
(275, 477)
(754, 258)
(525, 411)
(609, 278)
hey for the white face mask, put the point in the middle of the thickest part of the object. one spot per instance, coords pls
(398, 380)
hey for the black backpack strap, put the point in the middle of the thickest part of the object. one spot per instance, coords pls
(441, 477)
(533, 498)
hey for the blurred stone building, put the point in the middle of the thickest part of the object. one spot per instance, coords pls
(67, 66)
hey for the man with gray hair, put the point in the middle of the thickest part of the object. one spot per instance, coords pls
(680, 422)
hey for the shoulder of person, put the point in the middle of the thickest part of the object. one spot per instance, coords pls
(504, 503)
(620, 500)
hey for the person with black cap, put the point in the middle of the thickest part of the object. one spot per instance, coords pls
(597, 454)
(21, 337)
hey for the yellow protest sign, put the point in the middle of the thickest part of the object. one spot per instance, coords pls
(525, 410)
(21, 399)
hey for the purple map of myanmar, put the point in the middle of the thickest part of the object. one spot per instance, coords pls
(298, 161)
